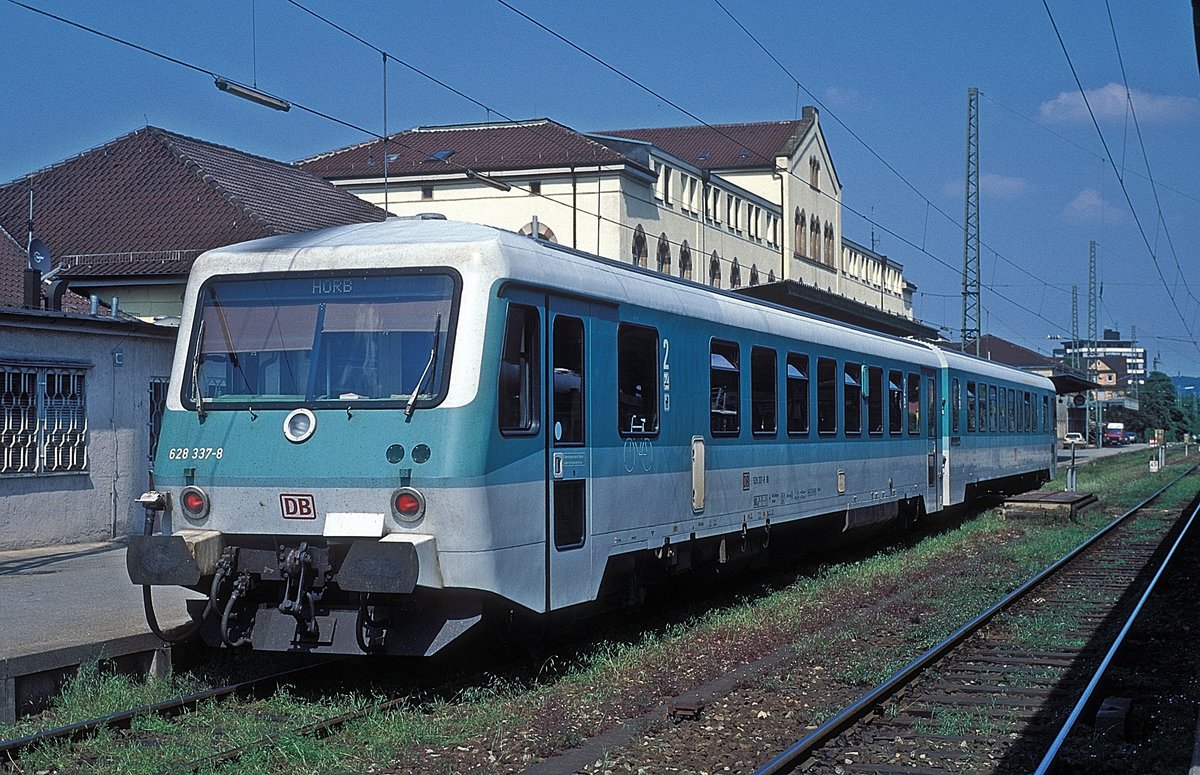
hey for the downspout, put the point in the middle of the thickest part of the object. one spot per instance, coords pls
(783, 230)
(574, 210)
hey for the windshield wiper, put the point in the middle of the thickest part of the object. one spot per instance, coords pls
(412, 399)
(197, 393)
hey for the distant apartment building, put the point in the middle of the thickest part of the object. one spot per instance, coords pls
(731, 205)
(1117, 364)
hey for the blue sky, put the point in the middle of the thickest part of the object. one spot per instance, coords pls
(894, 75)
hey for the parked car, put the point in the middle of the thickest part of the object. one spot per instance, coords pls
(1074, 440)
(1130, 437)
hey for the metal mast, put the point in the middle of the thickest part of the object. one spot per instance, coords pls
(1074, 359)
(1094, 408)
(970, 292)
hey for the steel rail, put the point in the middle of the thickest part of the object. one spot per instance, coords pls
(11, 749)
(1077, 711)
(792, 755)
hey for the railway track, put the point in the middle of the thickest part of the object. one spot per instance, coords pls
(12, 750)
(1001, 693)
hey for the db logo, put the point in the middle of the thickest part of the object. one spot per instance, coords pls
(297, 506)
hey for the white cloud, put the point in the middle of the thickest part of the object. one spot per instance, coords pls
(1108, 103)
(991, 185)
(1089, 208)
(848, 99)
(1003, 186)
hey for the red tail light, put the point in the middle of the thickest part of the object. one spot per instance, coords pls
(194, 502)
(408, 504)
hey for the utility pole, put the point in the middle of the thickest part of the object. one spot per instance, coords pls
(970, 292)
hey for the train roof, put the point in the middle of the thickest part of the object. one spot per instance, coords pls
(498, 255)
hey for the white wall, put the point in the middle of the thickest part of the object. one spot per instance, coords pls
(96, 505)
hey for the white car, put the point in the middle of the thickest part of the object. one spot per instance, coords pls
(1074, 440)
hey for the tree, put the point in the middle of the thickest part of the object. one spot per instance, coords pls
(1157, 405)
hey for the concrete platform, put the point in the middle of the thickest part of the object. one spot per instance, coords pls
(62, 606)
(1041, 503)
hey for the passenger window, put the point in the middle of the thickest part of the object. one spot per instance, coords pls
(914, 404)
(826, 396)
(852, 398)
(955, 405)
(1012, 410)
(1027, 413)
(932, 407)
(983, 407)
(763, 398)
(568, 380)
(518, 386)
(1045, 414)
(993, 409)
(875, 400)
(895, 403)
(723, 388)
(797, 394)
(1003, 410)
(637, 381)
(971, 407)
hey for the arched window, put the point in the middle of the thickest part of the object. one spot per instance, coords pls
(801, 233)
(814, 172)
(714, 270)
(771, 276)
(735, 274)
(754, 274)
(639, 246)
(814, 233)
(829, 255)
(544, 231)
(685, 261)
(664, 253)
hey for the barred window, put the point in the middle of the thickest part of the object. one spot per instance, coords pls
(43, 420)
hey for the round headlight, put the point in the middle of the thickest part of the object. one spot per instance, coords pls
(408, 504)
(299, 425)
(194, 502)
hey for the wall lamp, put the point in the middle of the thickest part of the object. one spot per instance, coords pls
(487, 180)
(252, 94)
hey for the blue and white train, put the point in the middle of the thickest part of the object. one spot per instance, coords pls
(377, 435)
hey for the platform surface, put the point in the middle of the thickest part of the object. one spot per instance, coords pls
(60, 597)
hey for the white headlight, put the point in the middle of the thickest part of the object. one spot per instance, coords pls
(299, 425)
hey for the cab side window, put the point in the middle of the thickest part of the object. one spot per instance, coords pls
(518, 383)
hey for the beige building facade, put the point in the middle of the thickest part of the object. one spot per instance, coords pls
(728, 205)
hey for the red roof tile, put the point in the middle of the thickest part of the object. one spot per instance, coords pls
(725, 146)
(154, 190)
(12, 264)
(480, 147)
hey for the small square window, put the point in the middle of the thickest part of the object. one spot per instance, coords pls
(427, 192)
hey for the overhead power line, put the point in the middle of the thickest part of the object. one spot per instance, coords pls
(1128, 199)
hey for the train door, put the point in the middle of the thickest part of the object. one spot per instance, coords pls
(568, 457)
(933, 438)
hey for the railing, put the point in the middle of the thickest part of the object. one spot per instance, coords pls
(130, 256)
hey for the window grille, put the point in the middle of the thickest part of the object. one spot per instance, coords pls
(43, 420)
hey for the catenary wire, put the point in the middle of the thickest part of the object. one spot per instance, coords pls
(1087, 103)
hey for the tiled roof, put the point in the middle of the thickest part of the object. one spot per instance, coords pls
(479, 147)
(993, 348)
(154, 190)
(12, 263)
(725, 146)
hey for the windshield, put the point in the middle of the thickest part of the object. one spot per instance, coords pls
(328, 338)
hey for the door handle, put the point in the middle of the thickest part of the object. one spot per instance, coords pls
(558, 465)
